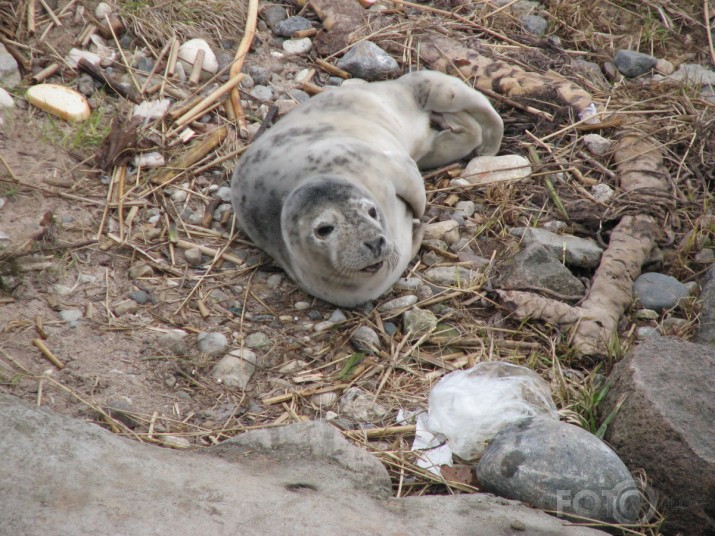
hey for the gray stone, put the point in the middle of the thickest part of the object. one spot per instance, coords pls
(139, 296)
(665, 426)
(337, 316)
(6, 100)
(71, 316)
(368, 61)
(706, 331)
(294, 47)
(418, 321)
(535, 24)
(236, 368)
(558, 466)
(323, 326)
(212, 343)
(9, 70)
(174, 341)
(260, 74)
(450, 276)
(274, 281)
(360, 406)
(299, 95)
(695, 73)
(273, 15)
(597, 144)
(659, 291)
(632, 64)
(398, 303)
(257, 340)
(262, 93)
(465, 209)
(287, 27)
(536, 267)
(365, 338)
(224, 194)
(575, 251)
(125, 307)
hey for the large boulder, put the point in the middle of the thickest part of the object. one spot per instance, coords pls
(62, 476)
(666, 426)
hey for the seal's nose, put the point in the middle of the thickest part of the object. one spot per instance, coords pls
(376, 245)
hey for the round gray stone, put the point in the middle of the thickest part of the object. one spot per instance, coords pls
(365, 338)
(212, 343)
(558, 466)
(535, 24)
(287, 27)
(631, 63)
(368, 61)
(659, 291)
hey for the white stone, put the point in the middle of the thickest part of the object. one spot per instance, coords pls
(597, 144)
(324, 400)
(465, 209)
(602, 192)
(6, 100)
(441, 230)
(399, 303)
(493, 169)
(103, 9)
(236, 368)
(76, 54)
(294, 47)
(187, 54)
(451, 276)
(322, 326)
(664, 67)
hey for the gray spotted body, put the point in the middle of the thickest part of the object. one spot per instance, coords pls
(332, 190)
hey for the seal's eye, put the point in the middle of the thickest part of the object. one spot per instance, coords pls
(324, 230)
(373, 213)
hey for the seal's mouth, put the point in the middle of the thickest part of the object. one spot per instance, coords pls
(373, 268)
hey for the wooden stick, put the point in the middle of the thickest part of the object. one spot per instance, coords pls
(238, 261)
(373, 433)
(206, 102)
(45, 73)
(51, 13)
(198, 65)
(196, 153)
(173, 56)
(241, 52)
(155, 68)
(52, 358)
(31, 17)
(304, 392)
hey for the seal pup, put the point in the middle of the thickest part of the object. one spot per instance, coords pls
(333, 190)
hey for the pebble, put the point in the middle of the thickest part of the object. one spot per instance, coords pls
(450, 276)
(71, 316)
(673, 326)
(236, 368)
(466, 209)
(364, 338)
(358, 405)
(535, 24)
(174, 341)
(664, 67)
(139, 296)
(9, 70)
(175, 442)
(659, 291)
(257, 340)
(447, 230)
(597, 144)
(647, 314)
(224, 194)
(558, 466)
(424, 292)
(644, 332)
(632, 64)
(322, 326)
(274, 281)
(261, 92)
(418, 321)
(273, 15)
(315, 315)
(324, 400)
(337, 316)
(398, 303)
(260, 74)
(212, 343)
(193, 256)
(301, 305)
(187, 54)
(125, 307)
(408, 283)
(390, 328)
(490, 169)
(295, 47)
(299, 95)
(695, 73)
(62, 290)
(368, 61)
(287, 27)
(103, 9)
(178, 195)
(536, 266)
(602, 192)
(6, 100)
(170, 380)
(575, 251)
(293, 366)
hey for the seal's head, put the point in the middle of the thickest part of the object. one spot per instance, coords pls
(336, 238)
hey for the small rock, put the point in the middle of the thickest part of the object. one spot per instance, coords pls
(212, 343)
(6, 100)
(9, 70)
(301, 306)
(358, 405)
(491, 169)
(390, 328)
(274, 281)
(139, 296)
(664, 67)
(632, 64)
(273, 15)
(220, 210)
(174, 341)
(602, 192)
(597, 144)
(324, 400)
(299, 95)
(536, 266)
(451, 276)
(694, 73)
(645, 332)
(673, 326)
(337, 316)
(418, 321)
(659, 291)
(257, 340)
(408, 283)
(187, 54)
(262, 93)
(465, 209)
(236, 368)
(535, 24)
(260, 74)
(175, 442)
(62, 290)
(424, 292)
(125, 307)
(287, 27)
(611, 72)
(445, 230)
(398, 303)
(558, 466)
(368, 61)
(365, 338)
(193, 256)
(139, 270)
(647, 314)
(293, 366)
(75, 54)
(575, 251)
(170, 380)
(295, 47)
(322, 326)
(71, 316)
(103, 9)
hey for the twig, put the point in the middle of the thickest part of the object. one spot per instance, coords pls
(708, 30)
(304, 392)
(241, 52)
(372, 433)
(52, 358)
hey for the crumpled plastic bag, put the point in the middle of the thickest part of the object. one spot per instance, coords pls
(467, 408)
